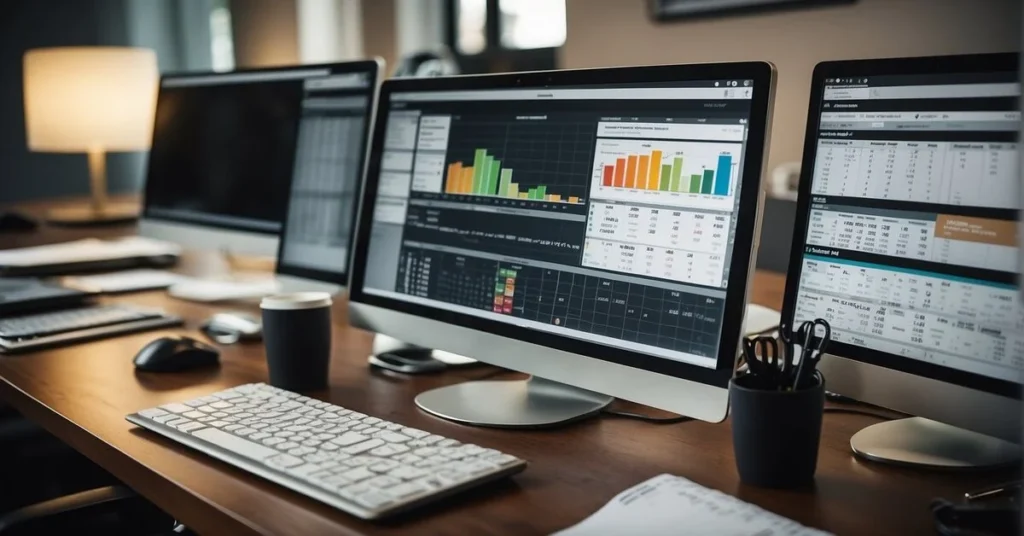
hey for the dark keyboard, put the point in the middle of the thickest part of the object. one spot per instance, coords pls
(54, 328)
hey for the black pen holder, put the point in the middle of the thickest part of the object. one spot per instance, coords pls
(775, 433)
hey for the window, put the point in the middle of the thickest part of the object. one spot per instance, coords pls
(222, 47)
(506, 35)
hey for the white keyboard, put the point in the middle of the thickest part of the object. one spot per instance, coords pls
(363, 465)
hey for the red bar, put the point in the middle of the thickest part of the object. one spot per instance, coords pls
(608, 171)
(620, 172)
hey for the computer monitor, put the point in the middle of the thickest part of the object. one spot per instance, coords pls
(328, 172)
(222, 156)
(593, 228)
(906, 243)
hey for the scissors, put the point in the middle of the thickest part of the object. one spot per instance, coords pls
(812, 347)
(765, 360)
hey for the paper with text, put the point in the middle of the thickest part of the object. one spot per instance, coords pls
(673, 505)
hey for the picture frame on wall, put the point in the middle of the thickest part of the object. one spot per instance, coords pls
(670, 10)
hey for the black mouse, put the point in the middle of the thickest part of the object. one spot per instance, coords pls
(175, 354)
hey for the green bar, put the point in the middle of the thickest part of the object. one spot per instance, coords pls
(479, 161)
(709, 176)
(532, 193)
(492, 178)
(666, 174)
(506, 181)
(677, 169)
(694, 184)
(542, 192)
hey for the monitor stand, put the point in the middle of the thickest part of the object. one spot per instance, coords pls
(531, 403)
(920, 442)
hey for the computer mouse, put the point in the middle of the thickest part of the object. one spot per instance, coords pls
(228, 328)
(175, 354)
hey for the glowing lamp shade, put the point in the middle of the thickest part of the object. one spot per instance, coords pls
(90, 100)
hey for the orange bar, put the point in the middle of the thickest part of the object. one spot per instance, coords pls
(620, 171)
(451, 184)
(631, 171)
(573, 199)
(641, 171)
(466, 185)
(655, 171)
(554, 197)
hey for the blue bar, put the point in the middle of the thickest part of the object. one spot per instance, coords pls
(722, 174)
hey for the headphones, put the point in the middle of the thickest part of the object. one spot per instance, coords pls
(427, 64)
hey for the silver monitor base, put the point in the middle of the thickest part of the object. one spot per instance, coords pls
(530, 403)
(925, 443)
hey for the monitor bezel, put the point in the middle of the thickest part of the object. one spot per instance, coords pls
(965, 64)
(762, 75)
(373, 67)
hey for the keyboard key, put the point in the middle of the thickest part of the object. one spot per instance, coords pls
(175, 408)
(363, 447)
(193, 414)
(357, 474)
(151, 413)
(166, 417)
(389, 450)
(407, 489)
(408, 473)
(237, 445)
(392, 437)
(349, 438)
(191, 426)
(374, 499)
(177, 422)
(284, 461)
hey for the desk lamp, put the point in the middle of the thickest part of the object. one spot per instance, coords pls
(91, 100)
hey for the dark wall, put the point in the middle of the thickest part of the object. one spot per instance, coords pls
(27, 24)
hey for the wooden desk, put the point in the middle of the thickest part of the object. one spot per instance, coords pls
(82, 393)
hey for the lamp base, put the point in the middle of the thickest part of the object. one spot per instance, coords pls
(111, 214)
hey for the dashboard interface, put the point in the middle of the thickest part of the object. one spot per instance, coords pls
(600, 213)
(911, 243)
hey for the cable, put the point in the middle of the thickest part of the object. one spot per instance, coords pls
(645, 418)
(858, 411)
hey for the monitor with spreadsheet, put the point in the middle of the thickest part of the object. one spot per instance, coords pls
(328, 171)
(224, 147)
(594, 228)
(906, 240)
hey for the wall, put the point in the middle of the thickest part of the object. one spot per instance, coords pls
(379, 31)
(619, 32)
(265, 32)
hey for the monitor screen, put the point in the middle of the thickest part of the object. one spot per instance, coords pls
(224, 146)
(328, 168)
(601, 213)
(910, 248)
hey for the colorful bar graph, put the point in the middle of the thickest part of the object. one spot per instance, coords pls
(722, 174)
(658, 172)
(486, 177)
(705, 185)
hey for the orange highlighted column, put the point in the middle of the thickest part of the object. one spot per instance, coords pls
(654, 173)
(631, 171)
(620, 172)
(641, 171)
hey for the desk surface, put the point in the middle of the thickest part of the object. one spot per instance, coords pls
(82, 393)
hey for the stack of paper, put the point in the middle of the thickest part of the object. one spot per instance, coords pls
(672, 505)
(88, 250)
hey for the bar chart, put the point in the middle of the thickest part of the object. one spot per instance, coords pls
(487, 177)
(660, 171)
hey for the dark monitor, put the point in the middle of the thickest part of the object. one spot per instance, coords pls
(906, 243)
(223, 153)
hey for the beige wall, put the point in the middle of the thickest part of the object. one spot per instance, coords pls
(379, 31)
(619, 32)
(265, 32)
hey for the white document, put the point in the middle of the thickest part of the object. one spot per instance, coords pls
(672, 505)
(89, 249)
(212, 290)
(127, 281)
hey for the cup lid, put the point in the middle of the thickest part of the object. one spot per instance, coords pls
(296, 300)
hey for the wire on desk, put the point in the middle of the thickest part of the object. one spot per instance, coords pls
(645, 418)
(858, 411)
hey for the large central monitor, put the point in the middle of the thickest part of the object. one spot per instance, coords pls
(593, 228)
(906, 242)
